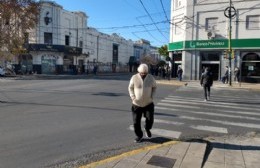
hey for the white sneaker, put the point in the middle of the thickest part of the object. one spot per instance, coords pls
(148, 133)
(205, 99)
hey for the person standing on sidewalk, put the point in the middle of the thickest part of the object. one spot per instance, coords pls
(141, 89)
(179, 73)
(237, 74)
(206, 82)
(225, 78)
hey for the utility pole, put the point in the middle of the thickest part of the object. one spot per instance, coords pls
(230, 12)
(229, 43)
(77, 38)
(97, 46)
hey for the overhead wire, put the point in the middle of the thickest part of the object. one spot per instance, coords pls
(152, 19)
(146, 30)
(88, 47)
(164, 11)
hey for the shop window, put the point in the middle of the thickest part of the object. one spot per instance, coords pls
(253, 22)
(251, 65)
(251, 57)
(177, 57)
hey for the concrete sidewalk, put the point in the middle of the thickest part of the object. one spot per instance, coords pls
(213, 152)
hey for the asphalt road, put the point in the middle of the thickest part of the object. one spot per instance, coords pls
(46, 123)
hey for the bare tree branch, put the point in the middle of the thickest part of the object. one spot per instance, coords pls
(17, 17)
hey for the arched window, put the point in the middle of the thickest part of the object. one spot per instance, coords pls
(251, 57)
(251, 65)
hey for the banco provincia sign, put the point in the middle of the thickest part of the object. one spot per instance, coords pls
(214, 44)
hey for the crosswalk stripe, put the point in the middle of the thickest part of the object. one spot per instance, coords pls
(210, 128)
(197, 127)
(167, 122)
(181, 98)
(209, 113)
(241, 112)
(248, 125)
(162, 132)
(188, 101)
(221, 98)
(212, 103)
(176, 105)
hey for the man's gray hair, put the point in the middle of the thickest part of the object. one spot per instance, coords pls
(143, 68)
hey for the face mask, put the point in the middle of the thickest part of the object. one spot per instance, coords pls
(143, 75)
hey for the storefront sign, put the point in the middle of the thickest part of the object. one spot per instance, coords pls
(205, 44)
(55, 48)
(215, 44)
(49, 56)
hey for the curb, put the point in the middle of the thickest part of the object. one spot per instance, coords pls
(127, 154)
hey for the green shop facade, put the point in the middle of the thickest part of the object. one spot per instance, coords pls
(192, 56)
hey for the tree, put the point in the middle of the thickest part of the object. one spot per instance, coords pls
(148, 60)
(163, 50)
(17, 17)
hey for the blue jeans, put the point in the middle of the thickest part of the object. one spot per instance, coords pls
(180, 77)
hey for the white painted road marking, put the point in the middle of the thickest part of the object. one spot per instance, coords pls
(210, 128)
(162, 132)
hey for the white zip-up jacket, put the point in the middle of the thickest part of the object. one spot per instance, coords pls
(142, 91)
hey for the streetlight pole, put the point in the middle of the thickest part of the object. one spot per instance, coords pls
(229, 42)
(97, 47)
(230, 12)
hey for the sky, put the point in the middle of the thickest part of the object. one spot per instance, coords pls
(131, 19)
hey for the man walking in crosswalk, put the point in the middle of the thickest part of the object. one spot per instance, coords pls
(141, 89)
(206, 81)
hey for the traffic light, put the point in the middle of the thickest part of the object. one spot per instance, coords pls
(232, 54)
(225, 54)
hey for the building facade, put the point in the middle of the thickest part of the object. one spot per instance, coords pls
(200, 33)
(62, 43)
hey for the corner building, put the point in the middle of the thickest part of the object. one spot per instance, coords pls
(199, 37)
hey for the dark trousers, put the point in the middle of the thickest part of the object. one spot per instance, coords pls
(224, 79)
(138, 112)
(180, 77)
(206, 91)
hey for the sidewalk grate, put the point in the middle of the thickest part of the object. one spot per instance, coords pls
(161, 161)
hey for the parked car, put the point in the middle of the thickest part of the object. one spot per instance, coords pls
(2, 71)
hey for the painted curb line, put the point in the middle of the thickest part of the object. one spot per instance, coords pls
(126, 154)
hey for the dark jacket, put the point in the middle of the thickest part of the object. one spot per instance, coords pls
(180, 71)
(206, 79)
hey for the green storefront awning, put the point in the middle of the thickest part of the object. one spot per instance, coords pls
(215, 44)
